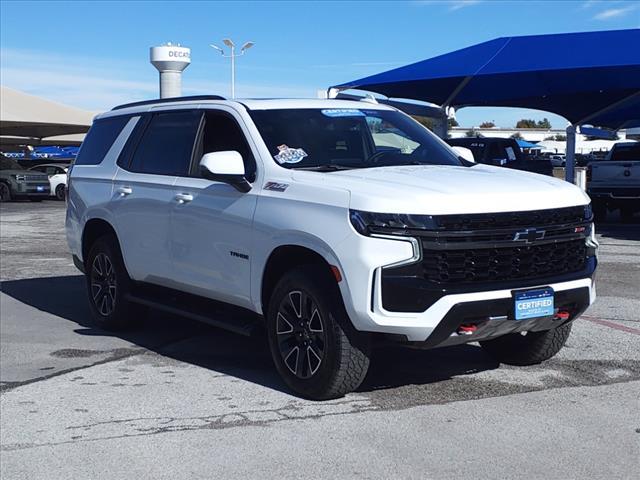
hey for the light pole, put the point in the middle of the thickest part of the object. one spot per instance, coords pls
(233, 56)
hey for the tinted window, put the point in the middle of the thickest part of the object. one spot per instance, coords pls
(167, 145)
(349, 138)
(222, 133)
(7, 163)
(99, 140)
(625, 152)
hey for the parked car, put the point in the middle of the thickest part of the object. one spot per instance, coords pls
(558, 160)
(16, 182)
(57, 173)
(502, 152)
(302, 216)
(614, 183)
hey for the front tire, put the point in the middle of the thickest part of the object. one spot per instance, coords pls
(528, 349)
(315, 348)
(5, 192)
(108, 285)
(60, 192)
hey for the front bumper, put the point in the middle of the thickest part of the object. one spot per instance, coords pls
(492, 311)
(33, 189)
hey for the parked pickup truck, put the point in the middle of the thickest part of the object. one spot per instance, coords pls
(335, 225)
(615, 181)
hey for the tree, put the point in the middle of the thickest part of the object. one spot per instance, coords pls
(557, 138)
(544, 123)
(472, 132)
(426, 121)
(526, 123)
(530, 123)
(487, 125)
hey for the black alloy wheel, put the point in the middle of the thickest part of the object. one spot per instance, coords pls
(104, 286)
(314, 346)
(301, 334)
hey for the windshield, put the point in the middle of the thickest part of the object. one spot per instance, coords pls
(349, 138)
(7, 163)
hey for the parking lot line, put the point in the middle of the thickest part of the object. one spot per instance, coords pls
(610, 324)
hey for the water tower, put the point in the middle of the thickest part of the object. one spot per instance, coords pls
(170, 60)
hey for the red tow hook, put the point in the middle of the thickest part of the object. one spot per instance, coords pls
(562, 315)
(467, 329)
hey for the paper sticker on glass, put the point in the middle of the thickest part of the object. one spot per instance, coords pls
(289, 155)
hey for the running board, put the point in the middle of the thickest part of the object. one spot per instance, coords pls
(200, 309)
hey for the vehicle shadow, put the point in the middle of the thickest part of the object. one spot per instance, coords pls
(613, 227)
(246, 358)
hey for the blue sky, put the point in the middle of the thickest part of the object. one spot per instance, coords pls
(96, 54)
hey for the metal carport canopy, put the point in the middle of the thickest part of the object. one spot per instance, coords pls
(589, 77)
(23, 115)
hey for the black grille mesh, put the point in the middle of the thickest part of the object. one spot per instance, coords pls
(537, 218)
(495, 264)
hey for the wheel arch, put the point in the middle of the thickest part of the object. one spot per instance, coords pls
(94, 229)
(284, 258)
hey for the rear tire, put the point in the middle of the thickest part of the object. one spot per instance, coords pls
(108, 284)
(60, 192)
(313, 344)
(5, 192)
(529, 349)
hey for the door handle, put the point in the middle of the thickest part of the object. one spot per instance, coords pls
(184, 197)
(124, 191)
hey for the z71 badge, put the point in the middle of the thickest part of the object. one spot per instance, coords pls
(276, 187)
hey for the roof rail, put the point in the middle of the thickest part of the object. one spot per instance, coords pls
(169, 100)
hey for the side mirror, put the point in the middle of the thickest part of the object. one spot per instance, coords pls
(226, 167)
(464, 152)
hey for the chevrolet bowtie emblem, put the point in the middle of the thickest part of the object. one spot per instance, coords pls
(529, 235)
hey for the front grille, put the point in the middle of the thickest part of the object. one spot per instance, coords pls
(522, 262)
(488, 221)
(36, 178)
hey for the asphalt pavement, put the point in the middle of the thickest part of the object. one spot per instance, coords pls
(176, 399)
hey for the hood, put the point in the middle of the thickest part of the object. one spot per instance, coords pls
(14, 172)
(441, 190)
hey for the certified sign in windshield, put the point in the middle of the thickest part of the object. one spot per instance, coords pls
(342, 112)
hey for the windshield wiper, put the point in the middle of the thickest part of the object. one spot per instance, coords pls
(325, 168)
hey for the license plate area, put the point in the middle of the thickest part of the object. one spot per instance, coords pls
(39, 189)
(535, 303)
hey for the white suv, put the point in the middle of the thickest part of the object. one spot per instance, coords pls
(336, 224)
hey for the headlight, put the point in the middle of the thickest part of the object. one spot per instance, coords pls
(367, 223)
(20, 178)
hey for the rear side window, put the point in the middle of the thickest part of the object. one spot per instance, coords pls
(166, 147)
(99, 140)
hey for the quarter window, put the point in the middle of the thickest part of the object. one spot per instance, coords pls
(98, 141)
(166, 147)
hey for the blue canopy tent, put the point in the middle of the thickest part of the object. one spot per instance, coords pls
(588, 78)
(525, 144)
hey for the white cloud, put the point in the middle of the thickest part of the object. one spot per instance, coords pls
(458, 4)
(98, 84)
(614, 12)
(453, 4)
